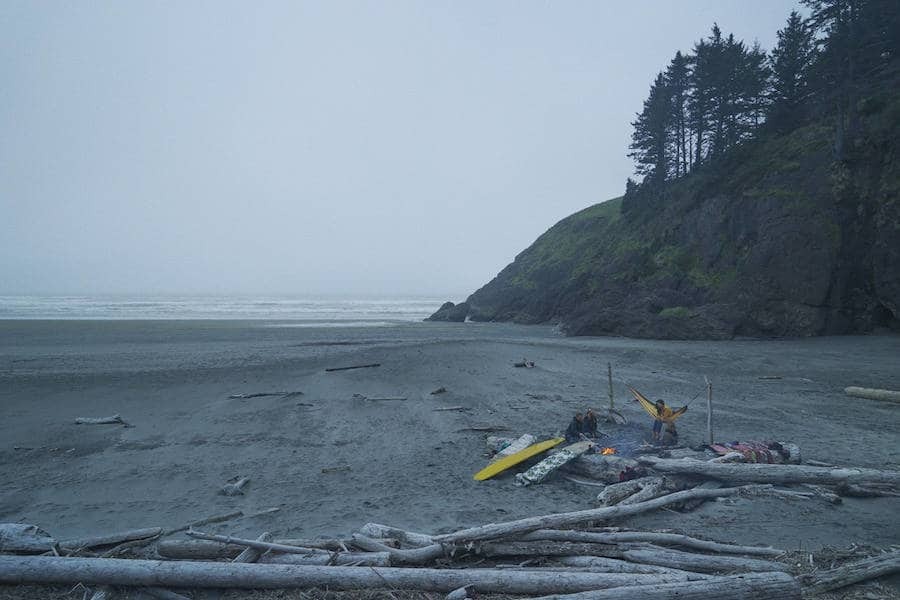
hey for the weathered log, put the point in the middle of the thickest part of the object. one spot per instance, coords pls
(250, 554)
(113, 420)
(554, 521)
(369, 366)
(752, 586)
(163, 593)
(673, 539)
(615, 565)
(377, 530)
(460, 593)
(703, 563)
(614, 493)
(652, 489)
(861, 491)
(765, 473)
(235, 488)
(333, 544)
(197, 549)
(25, 539)
(855, 572)
(414, 556)
(547, 548)
(446, 408)
(110, 539)
(873, 394)
(253, 543)
(338, 469)
(189, 574)
(373, 559)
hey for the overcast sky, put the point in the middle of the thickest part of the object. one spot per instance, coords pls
(317, 147)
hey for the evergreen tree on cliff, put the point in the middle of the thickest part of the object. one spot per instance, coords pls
(678, 81)
(650, 139)
(790, 62)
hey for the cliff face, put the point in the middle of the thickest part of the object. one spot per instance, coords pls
(777, 240)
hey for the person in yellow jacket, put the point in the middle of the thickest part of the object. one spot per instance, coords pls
(664, 414)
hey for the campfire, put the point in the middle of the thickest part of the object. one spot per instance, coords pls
(607, 451)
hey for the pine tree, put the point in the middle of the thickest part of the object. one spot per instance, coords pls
(678, 81)
(790, 63)
(650, 139)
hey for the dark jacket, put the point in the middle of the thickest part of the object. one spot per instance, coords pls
(575, 429)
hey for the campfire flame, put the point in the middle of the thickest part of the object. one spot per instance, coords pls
(608, 451)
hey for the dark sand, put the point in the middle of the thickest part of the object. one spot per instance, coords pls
(410, 466)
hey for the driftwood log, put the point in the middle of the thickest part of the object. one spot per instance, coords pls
(610, 565)
(188, 574)
(113, 420)
(235, 488)
(855, 572)
(753, 586)
(250, 554)
(254, 543)
(20, 538)
(704, 563)
(110, 539)
(377, 530)
(369, 559)
(213, 519)
(554, 521)
(873, 394)
(412, 556)
(765, 473)
(650, 537)
(369, 366)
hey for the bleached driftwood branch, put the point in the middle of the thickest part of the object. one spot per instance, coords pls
(113, 420)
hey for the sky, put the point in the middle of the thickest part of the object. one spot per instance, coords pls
(318, 148)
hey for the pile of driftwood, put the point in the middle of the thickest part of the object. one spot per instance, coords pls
(573, 555)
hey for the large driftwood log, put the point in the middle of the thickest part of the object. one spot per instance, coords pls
(652, 489)
(674, 539)
(753, 586)
(764, 473)
(703, 563)
(602, 564)
(369, 559)
(873, 394)
(188, 574)
(547, 548)
(110, 539)
(250, 554)
(377, 530)
(555, 521)
(197, 550)
(855, 572)
(414, 556)
(616, 492)
(24, 539)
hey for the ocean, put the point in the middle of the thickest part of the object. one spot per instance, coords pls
(298, 311)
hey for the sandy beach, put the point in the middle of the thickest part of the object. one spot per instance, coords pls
(409, 465)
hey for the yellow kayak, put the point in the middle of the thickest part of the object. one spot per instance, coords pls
(514, 459)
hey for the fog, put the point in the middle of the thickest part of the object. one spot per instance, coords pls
(317, 148)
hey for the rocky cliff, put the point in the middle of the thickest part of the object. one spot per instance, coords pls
(777, 239)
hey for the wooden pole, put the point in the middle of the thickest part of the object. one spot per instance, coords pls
(709, 418)
(609, 377)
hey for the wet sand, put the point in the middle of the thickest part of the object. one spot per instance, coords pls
(410, 465)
